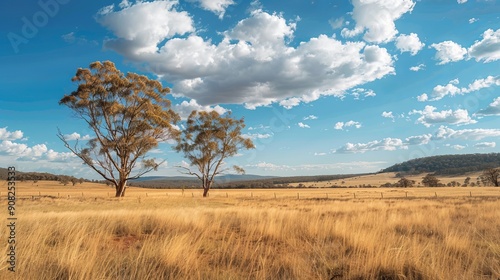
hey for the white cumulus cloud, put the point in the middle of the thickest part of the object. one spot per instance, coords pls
(342, 125)
(252, 65)
(10, 135)
(141, 26)
(409, 43)
(440, 91)
(466, 134)
(185, 108)
(387, 144)
(377, 18)
(303, 125)
(449, 51)
(488, 49)
(430, 116)
(76, 136)
(388, 115)
(485, 145)
(218, 7)
(417, 67)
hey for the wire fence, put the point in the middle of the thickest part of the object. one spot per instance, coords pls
(304, 194)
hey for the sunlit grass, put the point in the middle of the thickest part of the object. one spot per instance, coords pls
(257, 236)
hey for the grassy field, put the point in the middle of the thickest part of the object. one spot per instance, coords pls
(66, 232)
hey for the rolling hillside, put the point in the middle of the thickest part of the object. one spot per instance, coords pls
(447, 164)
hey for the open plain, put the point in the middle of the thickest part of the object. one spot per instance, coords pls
(78, 232)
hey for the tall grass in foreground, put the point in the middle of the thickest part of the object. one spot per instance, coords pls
(284, 239)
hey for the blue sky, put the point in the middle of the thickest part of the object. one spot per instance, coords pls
(325, 87)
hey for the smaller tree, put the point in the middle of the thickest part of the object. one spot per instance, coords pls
(405, 183)
(430, 181)
(467, 181)
(208, 139)
(491, 177)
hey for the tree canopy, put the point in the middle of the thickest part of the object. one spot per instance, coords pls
(430, 181)
(128, 114)
(491, 176)
(208, 139)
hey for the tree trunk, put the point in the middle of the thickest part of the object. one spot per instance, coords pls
(206, 187)
(120, 188)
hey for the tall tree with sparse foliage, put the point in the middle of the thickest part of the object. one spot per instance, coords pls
(128, 114)
(208, 139)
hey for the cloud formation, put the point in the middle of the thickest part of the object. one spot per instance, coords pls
(252, 65)
(387, 144)
(76, 136)
(449, 51)
(465, 134)
(303, 125)
(342, 125)
(417, 67)
(488, 49)
(430, 116)
(409, 43)
(439, 91)
(10, 135)
(388, 115)
(185, 108)
(485, 145)
(217, 7)
(377, 17)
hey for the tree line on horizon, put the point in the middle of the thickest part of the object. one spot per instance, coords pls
(447, 164)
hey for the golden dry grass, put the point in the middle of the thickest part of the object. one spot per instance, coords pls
(251, 235)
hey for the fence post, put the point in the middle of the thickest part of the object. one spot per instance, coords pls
(406, 194)
(436, 194)
(354, 195)
(227, 195)
(381, 195)
(274, 195)
(298, 197)
(470, 194)
(326, 195)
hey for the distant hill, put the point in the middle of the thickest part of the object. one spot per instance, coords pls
(447, 164)
(3, 173)
(28, 176)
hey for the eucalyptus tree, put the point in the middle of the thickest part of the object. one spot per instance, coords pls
(207, 140)
(128, 115)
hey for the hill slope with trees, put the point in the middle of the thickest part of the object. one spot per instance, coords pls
(447, 164)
